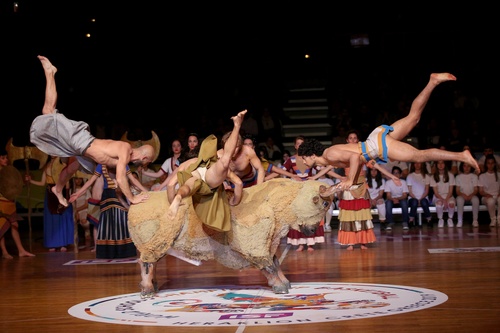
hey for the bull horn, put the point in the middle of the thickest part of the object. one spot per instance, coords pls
(154, 141)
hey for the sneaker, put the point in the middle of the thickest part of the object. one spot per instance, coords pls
(388, 228)
(328, 229)
(459, 224)
(440, 223)
(405, 226)
(450, 223)
(475, 224)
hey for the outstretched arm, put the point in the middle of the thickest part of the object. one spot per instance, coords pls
(84, 188)
(283, 172)
(323, 171)
(156, 174)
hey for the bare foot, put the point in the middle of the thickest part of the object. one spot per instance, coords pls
(300, 248)
(363, 247)
(7, 256)
(52, 250)
(174, 207)
(47, 65)
(310, 249)
(437, 78)
(238, 119)
(26, 254)
(350, 248)
(63, 249)
(60, 197)
(472, 161)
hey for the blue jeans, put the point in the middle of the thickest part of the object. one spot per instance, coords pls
(424, 203)
(404, 207)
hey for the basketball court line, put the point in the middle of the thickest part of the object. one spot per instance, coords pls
(465, 250)
(102, 261)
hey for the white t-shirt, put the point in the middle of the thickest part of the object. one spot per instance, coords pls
(396, 191)
(489, 184)
(417, 182)
(374, 190)
(167, 166)
(466, 182)
(441, 187)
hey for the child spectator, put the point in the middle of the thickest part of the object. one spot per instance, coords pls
(396, 196)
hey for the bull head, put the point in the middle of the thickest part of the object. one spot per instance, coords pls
(154, 141)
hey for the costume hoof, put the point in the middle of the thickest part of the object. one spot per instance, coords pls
(280, 289)
(147, 292)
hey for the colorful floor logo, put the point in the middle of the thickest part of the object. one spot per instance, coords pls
(248, 306)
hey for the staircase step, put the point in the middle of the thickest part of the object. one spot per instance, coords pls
(307, 101)
(318, 129)
(306, 112)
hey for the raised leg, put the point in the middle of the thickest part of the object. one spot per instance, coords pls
(50, 70)
(218, 172)
(403, 127)
(402, 151)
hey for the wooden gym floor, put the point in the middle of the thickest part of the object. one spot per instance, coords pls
(37, 292)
